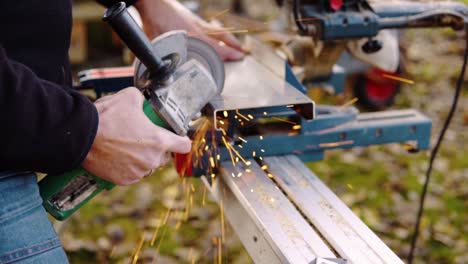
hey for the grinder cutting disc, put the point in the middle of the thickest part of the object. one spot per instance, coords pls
(186, 48)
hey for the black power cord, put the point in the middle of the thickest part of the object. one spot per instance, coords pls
(437, 146)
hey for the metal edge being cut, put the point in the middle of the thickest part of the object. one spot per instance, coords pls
(345, 232)
(269, 226)
(250, 86)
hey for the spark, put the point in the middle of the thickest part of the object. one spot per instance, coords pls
(221, 207)
(225, 113)
(261, 137)
(248, 170)
(221, 122)
(187, 206)
(233, 175)
(336, 144)
(223, 12)
(251, 190)
(138, 249)
(207, 147)
(264, 167)
(296, 127)
(250, 116)
(262, 150)
(265, 113)
(270, 175)
(224, 132)
(204, 196)
(283, 120)
(350, 186)
(220, 251)
(238, 154)
(254, 153)
(245, 141)
(160, 241)
(260, 158)
(220, 32)
(213, 175)
(218, 157)
(212, 162)
(349, 103)
(241, 115)
(290, 106)
(397, 78)
(229, 150)
(248, 163)
(239, 174)
(240, 146)
(155, 234)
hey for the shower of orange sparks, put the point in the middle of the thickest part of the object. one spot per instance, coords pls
(200, 147)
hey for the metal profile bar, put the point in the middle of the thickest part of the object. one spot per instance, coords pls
(268, 224)
(348, 235)
(250, 86)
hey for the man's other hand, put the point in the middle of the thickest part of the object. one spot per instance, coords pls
(128, 146)
(160, 16)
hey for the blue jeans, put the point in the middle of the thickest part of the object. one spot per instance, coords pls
(26, 234)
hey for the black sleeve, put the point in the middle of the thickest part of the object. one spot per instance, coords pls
(109, 3)
(43, 127)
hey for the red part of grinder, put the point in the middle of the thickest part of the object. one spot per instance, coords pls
(336, 4)
(183, 164)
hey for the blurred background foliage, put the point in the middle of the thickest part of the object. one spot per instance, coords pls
(381, 184)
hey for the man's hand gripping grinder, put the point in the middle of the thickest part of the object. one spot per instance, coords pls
(178, 76)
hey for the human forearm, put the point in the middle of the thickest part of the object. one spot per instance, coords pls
(44, 127)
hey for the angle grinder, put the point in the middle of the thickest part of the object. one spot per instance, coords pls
(178, 76)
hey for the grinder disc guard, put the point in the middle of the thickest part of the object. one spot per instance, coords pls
(187, 48)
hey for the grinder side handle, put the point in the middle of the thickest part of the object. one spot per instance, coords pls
(128, 30)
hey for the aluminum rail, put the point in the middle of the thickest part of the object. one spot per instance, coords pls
(283, 213)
